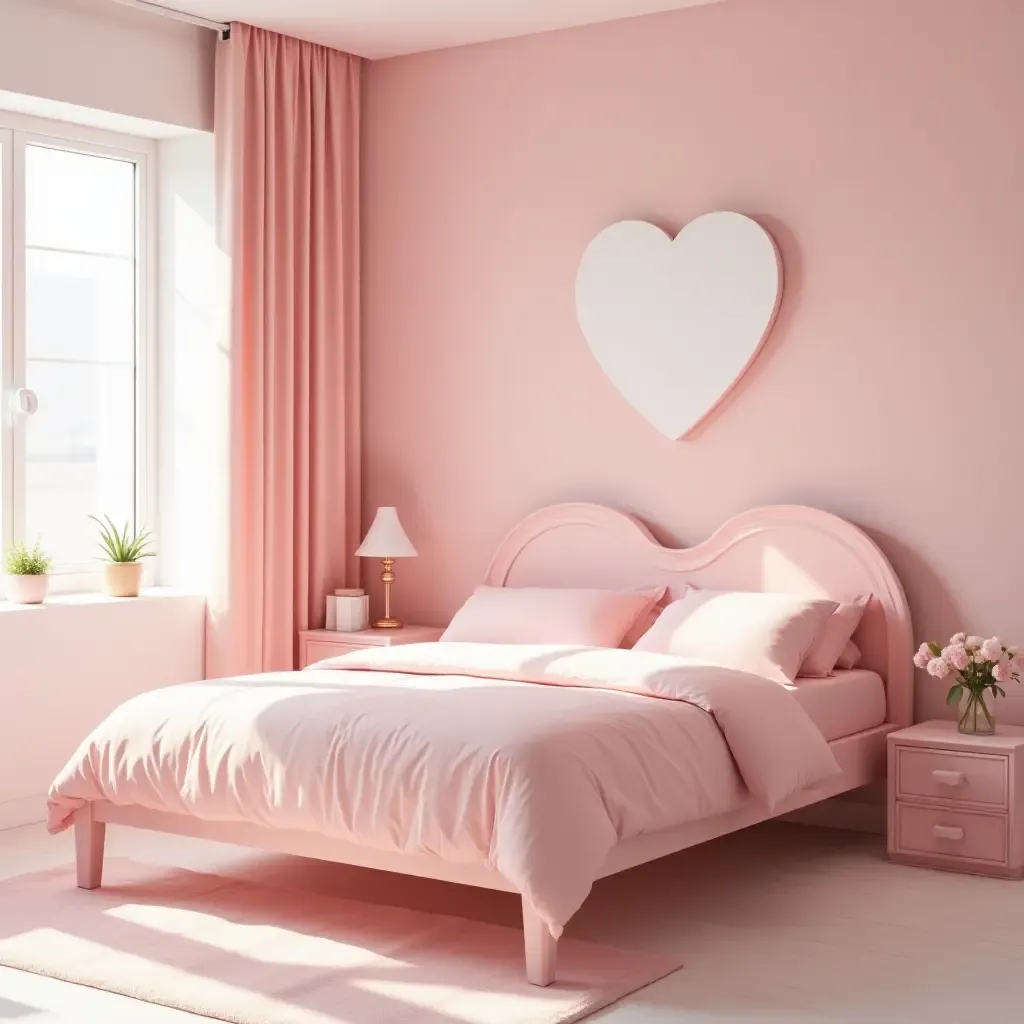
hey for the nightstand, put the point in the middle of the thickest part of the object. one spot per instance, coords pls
(956, 802)
(317, 644)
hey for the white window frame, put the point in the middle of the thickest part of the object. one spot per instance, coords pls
(17, 131)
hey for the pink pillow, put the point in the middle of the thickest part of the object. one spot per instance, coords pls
(766, 634)
(835, 634)
(850, 658)
(550, 615)
(649, 617)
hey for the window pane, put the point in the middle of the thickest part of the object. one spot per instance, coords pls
(81, 202)
(80, 336)
(79, 307)
(80, 455)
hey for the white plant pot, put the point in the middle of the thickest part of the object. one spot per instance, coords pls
(26, 589)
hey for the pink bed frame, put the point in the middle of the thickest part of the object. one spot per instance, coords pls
(782, 548)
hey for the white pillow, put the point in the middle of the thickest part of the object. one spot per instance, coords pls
(766, 634)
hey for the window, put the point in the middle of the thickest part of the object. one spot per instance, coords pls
(76, 361)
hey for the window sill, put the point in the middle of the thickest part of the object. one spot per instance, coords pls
(93, 598)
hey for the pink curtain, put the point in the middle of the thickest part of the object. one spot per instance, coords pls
(287, 140)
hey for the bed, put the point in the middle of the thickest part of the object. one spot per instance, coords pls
(493, 834)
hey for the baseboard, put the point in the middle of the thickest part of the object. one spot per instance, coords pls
(25, 810)
(852, 815)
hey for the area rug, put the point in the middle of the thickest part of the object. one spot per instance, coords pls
(259, 954)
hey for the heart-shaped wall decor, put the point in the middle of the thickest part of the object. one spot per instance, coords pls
(675, 323)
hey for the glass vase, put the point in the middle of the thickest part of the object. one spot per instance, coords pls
(976, 719)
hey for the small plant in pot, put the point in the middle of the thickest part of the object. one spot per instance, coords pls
(123, 550)
(27, 573)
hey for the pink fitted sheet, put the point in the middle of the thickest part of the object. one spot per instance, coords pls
(841, 705)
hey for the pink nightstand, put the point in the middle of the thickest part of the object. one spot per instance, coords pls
(317, 644)
(957, 802)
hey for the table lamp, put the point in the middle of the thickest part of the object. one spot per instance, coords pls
(386, 540)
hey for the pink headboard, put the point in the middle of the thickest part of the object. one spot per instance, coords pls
(785, 548)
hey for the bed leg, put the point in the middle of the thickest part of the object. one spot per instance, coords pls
(89, 836)
(541, 947)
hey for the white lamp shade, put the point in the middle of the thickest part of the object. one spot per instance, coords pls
(386, 538)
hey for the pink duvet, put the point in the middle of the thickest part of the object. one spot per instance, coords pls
(533, 760)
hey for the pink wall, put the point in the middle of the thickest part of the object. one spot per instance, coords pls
(878, 140)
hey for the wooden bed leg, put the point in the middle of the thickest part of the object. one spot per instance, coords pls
(541, 947)
(89, 836)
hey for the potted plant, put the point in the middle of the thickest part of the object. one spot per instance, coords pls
(979, 666)
(27, 570)
(124, 551)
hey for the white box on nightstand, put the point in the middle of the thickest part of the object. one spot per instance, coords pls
(347, 611)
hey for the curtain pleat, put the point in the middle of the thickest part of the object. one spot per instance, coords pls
(287, 142)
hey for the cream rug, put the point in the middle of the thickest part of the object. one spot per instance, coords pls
(259, 954)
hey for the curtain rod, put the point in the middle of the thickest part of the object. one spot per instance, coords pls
(220, 27)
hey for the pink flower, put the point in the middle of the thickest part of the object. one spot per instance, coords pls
(958, 638)
(939, 668)
(1003, 672)
(957, 656)
(973, 642)
(991, 650)
(923, 656)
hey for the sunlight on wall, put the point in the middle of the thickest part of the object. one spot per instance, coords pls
(194, 366)
(779, 572)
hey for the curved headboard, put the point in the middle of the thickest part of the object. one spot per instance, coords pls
(784, 548)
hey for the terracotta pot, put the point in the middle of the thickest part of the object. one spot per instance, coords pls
(123, 579)
(26, 589)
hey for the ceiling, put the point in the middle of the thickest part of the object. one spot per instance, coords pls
(386, 28)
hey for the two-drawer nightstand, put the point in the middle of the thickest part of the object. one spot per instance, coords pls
(957, 802)
(317, 644)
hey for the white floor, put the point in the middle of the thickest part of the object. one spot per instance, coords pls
(776, 924)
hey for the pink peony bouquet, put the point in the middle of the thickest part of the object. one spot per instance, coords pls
(977, 665)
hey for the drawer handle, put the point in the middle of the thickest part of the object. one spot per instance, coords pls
(947, 778)
(953, 832)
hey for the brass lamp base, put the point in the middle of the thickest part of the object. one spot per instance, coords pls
(387, 577)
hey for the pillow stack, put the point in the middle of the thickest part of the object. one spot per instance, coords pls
(778, 636)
